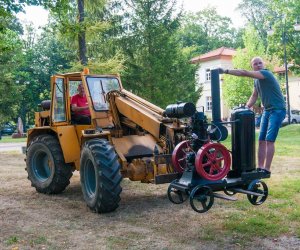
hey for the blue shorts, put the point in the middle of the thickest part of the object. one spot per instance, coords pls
(270, 123)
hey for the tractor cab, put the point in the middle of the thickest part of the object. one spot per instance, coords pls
(64, 87)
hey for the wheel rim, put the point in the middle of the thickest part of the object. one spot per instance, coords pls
(179, 156)
(213, 161)
(201, 199)
(176, 196)
(42, 165)
(259, 187)
(90, 179)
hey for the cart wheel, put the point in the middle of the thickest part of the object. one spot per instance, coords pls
(213, 161)
(179, 156)
(229, 192)
(201, 199)
(260, 187)
(176, 196)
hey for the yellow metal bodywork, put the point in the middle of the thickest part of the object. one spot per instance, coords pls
(127, 112)
(70, 144)
(140, 115)
(134, 145)
(140, 168)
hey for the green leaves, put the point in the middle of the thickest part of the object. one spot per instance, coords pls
(206, 30)
(156, 67)
(237, 90)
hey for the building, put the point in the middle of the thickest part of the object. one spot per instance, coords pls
(294, 87)
(219, 58)
(222, 58)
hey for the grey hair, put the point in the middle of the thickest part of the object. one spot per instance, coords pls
(256, 57)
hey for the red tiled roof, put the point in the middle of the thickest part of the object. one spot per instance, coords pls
(215, 54)
(279, 69)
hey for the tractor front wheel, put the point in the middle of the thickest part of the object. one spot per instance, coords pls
(46, 168)
(100, 176)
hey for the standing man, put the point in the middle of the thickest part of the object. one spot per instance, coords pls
(80, 107)
(267, 87)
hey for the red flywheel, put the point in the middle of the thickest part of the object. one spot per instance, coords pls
(213, 161)
(179, 156)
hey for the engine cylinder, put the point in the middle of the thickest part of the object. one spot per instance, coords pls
(243, 141)
(180, 110)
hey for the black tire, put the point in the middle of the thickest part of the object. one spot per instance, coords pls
(46, 168)
(294, 121)
(100, 176)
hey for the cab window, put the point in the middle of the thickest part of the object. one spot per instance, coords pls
(99, 87)
(59, 102)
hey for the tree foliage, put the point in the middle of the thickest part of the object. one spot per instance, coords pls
(282, 22)
(81, 25)
(10, 54)
(156, 67)
(237, 90)
(206, 30)
(40, 60)
(280, 16)
(257, 13)
(10, 48)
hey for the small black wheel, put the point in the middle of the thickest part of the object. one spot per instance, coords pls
(45, 165)
(176, 196)
(259, 187)
(100, 176)
(201, 199)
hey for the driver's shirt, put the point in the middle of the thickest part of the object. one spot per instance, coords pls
(80, 101)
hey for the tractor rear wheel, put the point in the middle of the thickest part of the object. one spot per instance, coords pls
(100, 176)
(46, 168)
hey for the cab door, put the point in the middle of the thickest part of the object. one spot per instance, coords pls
(58, 107)
(66, 132)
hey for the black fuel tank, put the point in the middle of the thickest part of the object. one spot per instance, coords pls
(243, 140)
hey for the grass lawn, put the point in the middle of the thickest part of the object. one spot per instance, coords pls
(8, 138)
(280, 214)
(146, 219)
(288, 142)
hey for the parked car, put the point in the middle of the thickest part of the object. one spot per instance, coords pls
(7, 129)
(257, 120)
(295, 117)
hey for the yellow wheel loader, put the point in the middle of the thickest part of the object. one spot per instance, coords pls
(128, 137)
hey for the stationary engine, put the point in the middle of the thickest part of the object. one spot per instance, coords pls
(205, 164)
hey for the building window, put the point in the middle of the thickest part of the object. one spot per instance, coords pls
(208, 103)
(207, 74)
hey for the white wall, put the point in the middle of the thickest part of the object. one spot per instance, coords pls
(201, 80)
(294, 92)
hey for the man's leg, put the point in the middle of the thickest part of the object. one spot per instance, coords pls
(261, 153)
(262, 144)
(270, 148)
(81, 119)
(275, 119)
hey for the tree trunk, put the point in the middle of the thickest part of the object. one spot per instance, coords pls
(81, 34)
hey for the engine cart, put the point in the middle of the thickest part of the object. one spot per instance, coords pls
(209, 170)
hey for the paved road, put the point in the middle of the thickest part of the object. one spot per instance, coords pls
(12, 146)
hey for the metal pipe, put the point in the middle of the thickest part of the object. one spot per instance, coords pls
(286, 74)
(215, 96)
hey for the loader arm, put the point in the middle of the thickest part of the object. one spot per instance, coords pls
(139, 111)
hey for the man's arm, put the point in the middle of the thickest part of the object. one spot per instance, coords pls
(242, 72)
(76, 108)
(252, 98)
